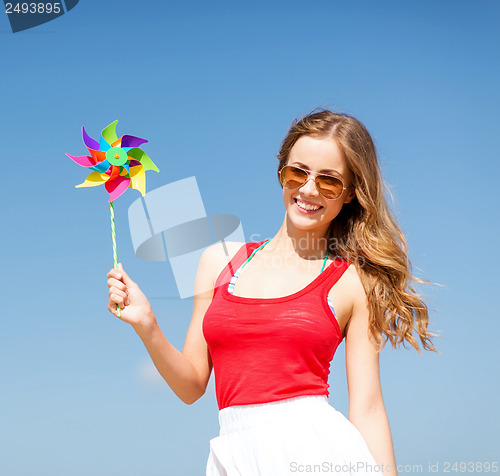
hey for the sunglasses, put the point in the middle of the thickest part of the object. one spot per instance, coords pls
(329, 186)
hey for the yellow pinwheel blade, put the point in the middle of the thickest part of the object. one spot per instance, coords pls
(93, 180)
(138, 179)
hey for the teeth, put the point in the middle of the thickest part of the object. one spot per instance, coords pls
(307, 207)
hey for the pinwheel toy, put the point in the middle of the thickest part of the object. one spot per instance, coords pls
(118, 163)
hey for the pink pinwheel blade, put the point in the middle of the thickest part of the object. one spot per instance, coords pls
(116, 187)
(82, 160)
(88, 141)
(132, 141)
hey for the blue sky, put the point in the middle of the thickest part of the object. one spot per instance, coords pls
(214, 87)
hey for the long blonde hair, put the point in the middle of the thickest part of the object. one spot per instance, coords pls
(366, 234)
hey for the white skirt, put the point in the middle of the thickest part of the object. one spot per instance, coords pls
(300, 435)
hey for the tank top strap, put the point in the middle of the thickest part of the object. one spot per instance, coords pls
(236, 261)
(335, 271)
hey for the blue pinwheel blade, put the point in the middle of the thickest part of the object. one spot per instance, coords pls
(101, 167)
(103, 145)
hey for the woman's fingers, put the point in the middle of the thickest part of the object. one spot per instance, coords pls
(114, 273)
(112, 282)
(119, 278)
(126, 294)
(126, 277)
(112, 308)
(113, 290)
(115, 300)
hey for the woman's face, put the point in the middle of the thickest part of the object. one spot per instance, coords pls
(317, 155)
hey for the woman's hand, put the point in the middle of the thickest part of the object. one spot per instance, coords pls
(135, 308)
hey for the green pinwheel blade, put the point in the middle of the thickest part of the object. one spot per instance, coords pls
(143, 158)
(109, 133)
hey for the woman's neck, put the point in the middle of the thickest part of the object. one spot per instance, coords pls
(305, 244)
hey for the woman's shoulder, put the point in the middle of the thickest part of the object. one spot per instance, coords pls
(348, 295)
(352, 284)
(215, 257)
(223, 252)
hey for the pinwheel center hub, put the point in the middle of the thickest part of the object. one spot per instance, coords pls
(116, 156)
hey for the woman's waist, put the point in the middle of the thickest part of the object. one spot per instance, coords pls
(240, 417)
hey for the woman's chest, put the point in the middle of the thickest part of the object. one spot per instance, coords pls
(274, 279)
(279, 281)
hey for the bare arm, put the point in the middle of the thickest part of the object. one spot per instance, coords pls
(366, 405)
(187, 372)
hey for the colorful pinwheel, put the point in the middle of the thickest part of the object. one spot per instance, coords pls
(118, 163)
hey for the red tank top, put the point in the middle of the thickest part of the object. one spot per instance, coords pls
(269, 349)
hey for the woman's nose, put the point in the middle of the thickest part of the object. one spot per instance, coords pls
(309, 187)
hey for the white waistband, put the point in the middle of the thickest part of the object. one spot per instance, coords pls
(239, 417)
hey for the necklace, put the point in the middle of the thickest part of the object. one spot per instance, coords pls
(264, 244)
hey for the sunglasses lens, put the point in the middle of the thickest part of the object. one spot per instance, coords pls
(293, 177)
(329, 187)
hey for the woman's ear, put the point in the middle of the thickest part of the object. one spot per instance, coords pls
(350, 195)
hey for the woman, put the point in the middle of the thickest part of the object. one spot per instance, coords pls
(337, 268)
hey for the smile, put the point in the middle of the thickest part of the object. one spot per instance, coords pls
(306, 207)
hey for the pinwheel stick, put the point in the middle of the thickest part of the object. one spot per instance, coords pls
(113, 238)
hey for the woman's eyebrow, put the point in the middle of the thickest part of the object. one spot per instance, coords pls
(321, 171)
